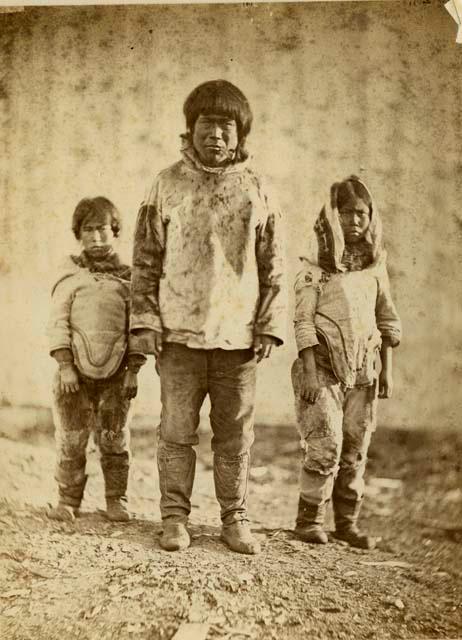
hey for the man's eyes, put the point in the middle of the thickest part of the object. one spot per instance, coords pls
(229, 124)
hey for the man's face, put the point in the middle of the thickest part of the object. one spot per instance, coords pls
(215, 139)
(355, 220)
(96, 236)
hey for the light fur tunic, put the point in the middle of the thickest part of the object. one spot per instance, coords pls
(89, 316)
(208, 262)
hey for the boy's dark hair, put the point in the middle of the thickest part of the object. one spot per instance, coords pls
(220, 97)
(100, 207)
(350, 189)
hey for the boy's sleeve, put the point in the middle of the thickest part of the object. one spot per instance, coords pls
(148, 251)
(388, 321)
(270, 247)
(59, 328)
(306, 300)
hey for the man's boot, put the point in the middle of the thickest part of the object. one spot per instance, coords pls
(310, 519)
(177, 465)
(238, 537)
(231, 476)
(175, 536)
(346, 517)
(70, 498)
(115, 471)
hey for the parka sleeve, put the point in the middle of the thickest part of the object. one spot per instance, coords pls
(148, 252)
(306, 300)
(271, 316)
(388, 321)
(59, 327)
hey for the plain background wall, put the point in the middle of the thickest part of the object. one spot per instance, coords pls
(91, 104)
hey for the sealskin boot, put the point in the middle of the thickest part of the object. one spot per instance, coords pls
(346, 517)
(116, 509)
(239, 538)
(63, 512)
(70, 498)
(115, 471)
(310, 519)
(174, 537)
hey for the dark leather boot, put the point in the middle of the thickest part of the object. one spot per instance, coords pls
(346, 517)
(310, 519)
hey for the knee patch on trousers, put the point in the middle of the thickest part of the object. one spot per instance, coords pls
(320, 455)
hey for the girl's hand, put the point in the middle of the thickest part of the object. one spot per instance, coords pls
(69, 378)
(385, 384)
(130, 384)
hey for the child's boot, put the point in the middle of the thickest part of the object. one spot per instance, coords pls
(310, 519)
(116, 509)
(70, 497)
(175, 536)
(115, 471)
(346, 517)
(63, 512)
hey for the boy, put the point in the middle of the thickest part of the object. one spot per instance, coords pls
(208, 298)
(344, 315)
(97, 374)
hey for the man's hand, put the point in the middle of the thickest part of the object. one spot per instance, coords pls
(130, 384)
(262, 345)
(149, 341)
(69, 378)
(311, 389)
(385, 384)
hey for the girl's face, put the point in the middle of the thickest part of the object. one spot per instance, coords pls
(215, 139)
(96, 236)
(355, 220)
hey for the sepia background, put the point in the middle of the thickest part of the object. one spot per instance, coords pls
(91, 104)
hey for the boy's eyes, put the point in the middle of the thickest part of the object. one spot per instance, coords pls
(102, 228)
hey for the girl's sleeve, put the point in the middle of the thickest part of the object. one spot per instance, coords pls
(388, 321)
(148, 252)
(59, 328)
(306, 299)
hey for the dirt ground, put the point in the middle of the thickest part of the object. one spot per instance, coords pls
(97, 580)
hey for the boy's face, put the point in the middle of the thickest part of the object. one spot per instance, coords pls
(215, 139)
(355, 220)
(96, 235)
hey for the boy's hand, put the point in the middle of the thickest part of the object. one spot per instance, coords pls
(149, 341)
(69, 378)
(262, 345)
(311, 389)
(385, 384)
(130, 384)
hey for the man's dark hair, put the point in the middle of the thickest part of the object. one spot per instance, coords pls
(220, 97)
(99, 208)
